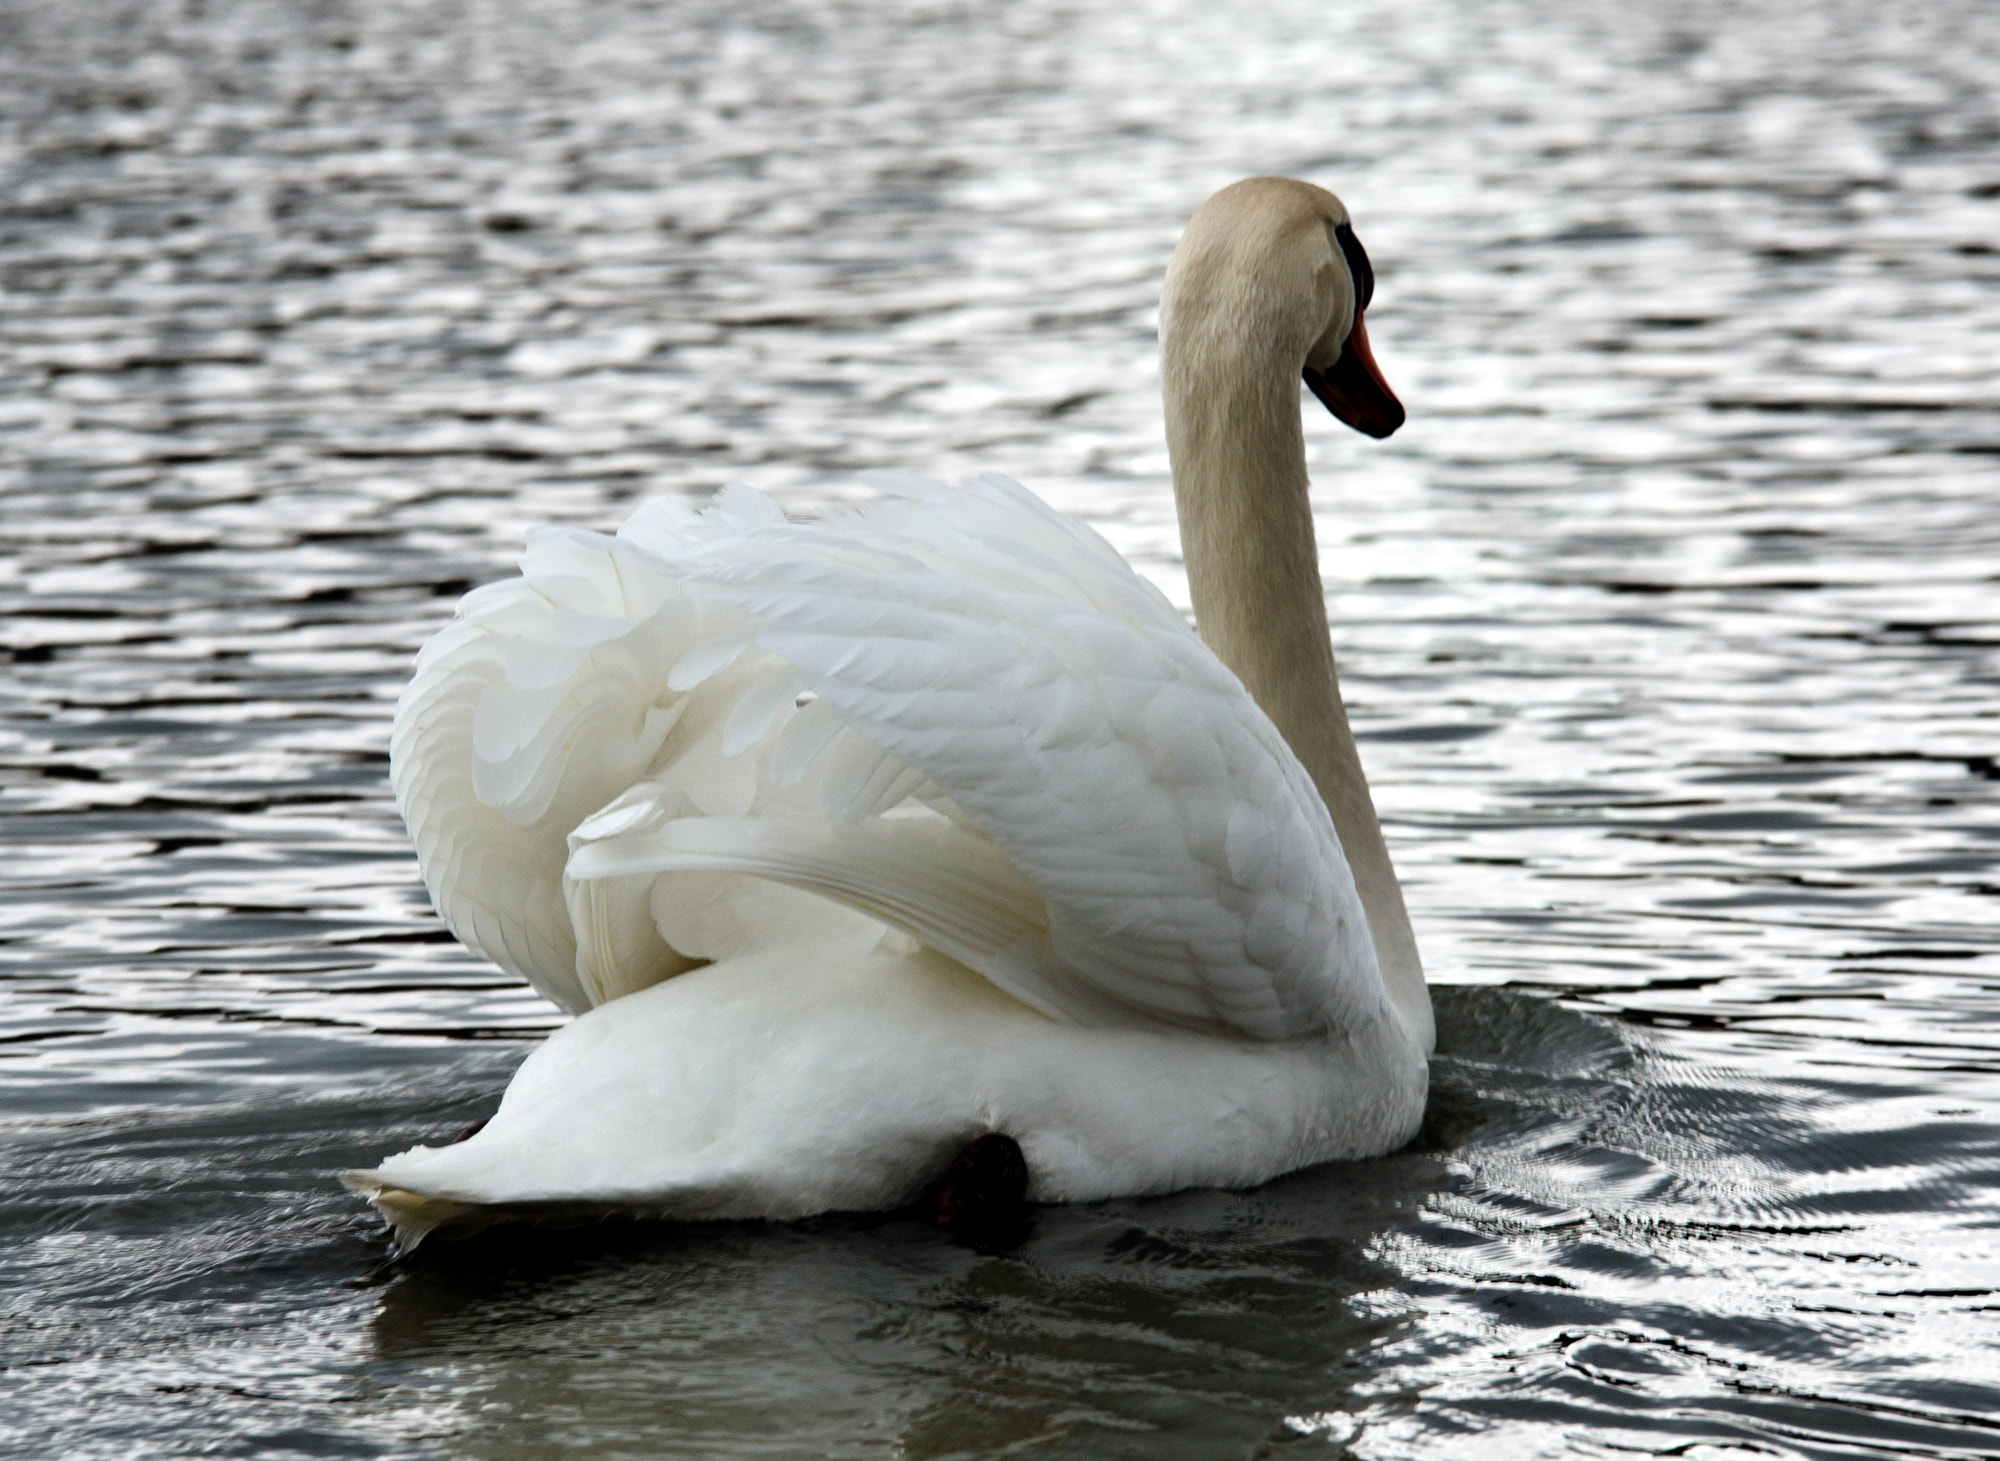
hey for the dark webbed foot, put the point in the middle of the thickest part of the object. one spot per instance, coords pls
(984, 1193)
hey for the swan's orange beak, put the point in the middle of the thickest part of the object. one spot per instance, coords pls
(1354, 389)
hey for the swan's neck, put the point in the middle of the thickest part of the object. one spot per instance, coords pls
(1238, 452)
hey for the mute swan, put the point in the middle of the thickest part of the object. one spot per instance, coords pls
(850, 841)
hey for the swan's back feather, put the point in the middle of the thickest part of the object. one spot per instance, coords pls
(954, 711)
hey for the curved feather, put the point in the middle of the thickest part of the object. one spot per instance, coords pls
(668, 745)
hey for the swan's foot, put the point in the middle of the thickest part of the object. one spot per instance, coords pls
(984, 1193)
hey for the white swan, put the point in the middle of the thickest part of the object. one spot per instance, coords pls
(850, 841)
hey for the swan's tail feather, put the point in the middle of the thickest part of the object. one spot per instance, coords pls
(413, 1216)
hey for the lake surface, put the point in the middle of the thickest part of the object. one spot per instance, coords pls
(1671, 625)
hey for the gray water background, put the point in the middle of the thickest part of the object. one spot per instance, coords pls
(1668, 623)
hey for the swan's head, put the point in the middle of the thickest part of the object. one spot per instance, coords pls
(1271, 266)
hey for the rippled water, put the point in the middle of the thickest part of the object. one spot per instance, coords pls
(1669, 623)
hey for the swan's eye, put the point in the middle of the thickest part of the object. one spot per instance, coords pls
(1357, 265)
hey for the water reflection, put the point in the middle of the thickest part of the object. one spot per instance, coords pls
(1205, 1317)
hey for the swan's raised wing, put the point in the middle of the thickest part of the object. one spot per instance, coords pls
(1011, 748)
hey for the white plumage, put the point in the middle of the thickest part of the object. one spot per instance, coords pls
(853, 839)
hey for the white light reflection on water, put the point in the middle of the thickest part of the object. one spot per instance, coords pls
(1668, 622)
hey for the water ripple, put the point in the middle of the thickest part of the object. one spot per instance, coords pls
(1668, 625)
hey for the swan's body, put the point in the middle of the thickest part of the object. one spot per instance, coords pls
(851, 841)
